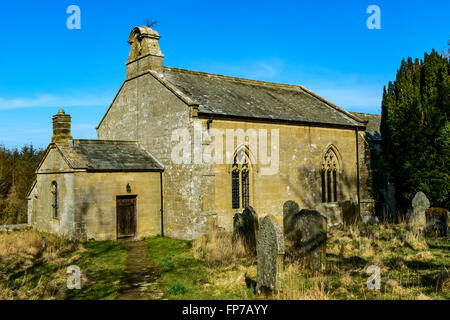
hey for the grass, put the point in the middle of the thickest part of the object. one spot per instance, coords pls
(211, 268)
(190, 277)
(411, 267)
(27, 272)
(102, 264)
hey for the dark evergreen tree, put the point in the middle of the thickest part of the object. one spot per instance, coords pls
(416, 130)
(17, 173)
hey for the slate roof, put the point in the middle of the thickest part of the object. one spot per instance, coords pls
(236, 97)
(373, 131)
(105, 155)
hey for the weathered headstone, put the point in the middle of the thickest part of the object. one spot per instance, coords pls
(437, 222)
(420, 204)
(270, 248)
(238, 227)
(310, 239)
(290, 210)
(350, 212)
(245, 229)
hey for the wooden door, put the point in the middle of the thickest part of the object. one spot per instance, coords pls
(126, 217)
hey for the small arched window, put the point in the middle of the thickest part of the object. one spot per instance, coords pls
(240, 180)
(55, 199)
(330, 176)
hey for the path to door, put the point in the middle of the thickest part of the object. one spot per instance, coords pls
(139, 281)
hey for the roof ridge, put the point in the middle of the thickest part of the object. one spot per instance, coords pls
(368, 114)
(87, 158)
(332, 105)
(152, 156)
(201, 73)
(105, 141)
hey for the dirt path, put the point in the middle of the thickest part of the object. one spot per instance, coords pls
(139, 281)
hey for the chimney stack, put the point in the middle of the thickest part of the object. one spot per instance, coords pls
(61, 127)
(145, 54)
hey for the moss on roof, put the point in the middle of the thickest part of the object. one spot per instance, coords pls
(373, 125)
(105, 155)
(236, 97)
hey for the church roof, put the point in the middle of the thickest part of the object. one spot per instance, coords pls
(105, 155)
(373, 131)
(242, 98)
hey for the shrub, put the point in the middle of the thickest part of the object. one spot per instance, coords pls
(177, 289)
(12, 212)
(167, 260)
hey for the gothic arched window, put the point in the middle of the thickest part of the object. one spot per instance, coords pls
(55, 199)
(240, 180)
(330, 176)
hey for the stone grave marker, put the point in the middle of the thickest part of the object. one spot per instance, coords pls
(437, 222)
(270, 249)
(290, 210)
(245, 229)
(309, 239)
(420, 204)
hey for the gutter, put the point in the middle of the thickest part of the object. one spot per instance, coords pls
(162, 203)
(210, 121)
(207, 115)
(357, 170)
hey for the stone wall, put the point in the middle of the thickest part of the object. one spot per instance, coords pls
(147, 112)
(302, 148)
(40, 213)
(366, 176)
(87, 201)
(95, 198)
(198, 195)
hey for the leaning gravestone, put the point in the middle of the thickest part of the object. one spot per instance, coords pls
(290, 210)
(245, 229)
(350, 213)
(270, 249)
(310, 239)
(437, 222)
(420, 204)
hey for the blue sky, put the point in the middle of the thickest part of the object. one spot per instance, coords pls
(323, 45)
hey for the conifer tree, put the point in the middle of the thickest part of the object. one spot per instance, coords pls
(416, 130)
(17, 173)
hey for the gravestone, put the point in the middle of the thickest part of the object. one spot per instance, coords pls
(245, 229)
(420, 204)
(290, 210)
(270, 249)
(309, 239)
(350, 213)
(238, 227)
(437, 222)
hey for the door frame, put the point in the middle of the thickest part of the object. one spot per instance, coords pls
(127, 197)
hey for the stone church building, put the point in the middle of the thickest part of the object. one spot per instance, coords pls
(131, 183)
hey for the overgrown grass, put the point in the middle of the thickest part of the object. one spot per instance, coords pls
(211, 268)
(411, 267)
(216, 249)
(29, 272)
